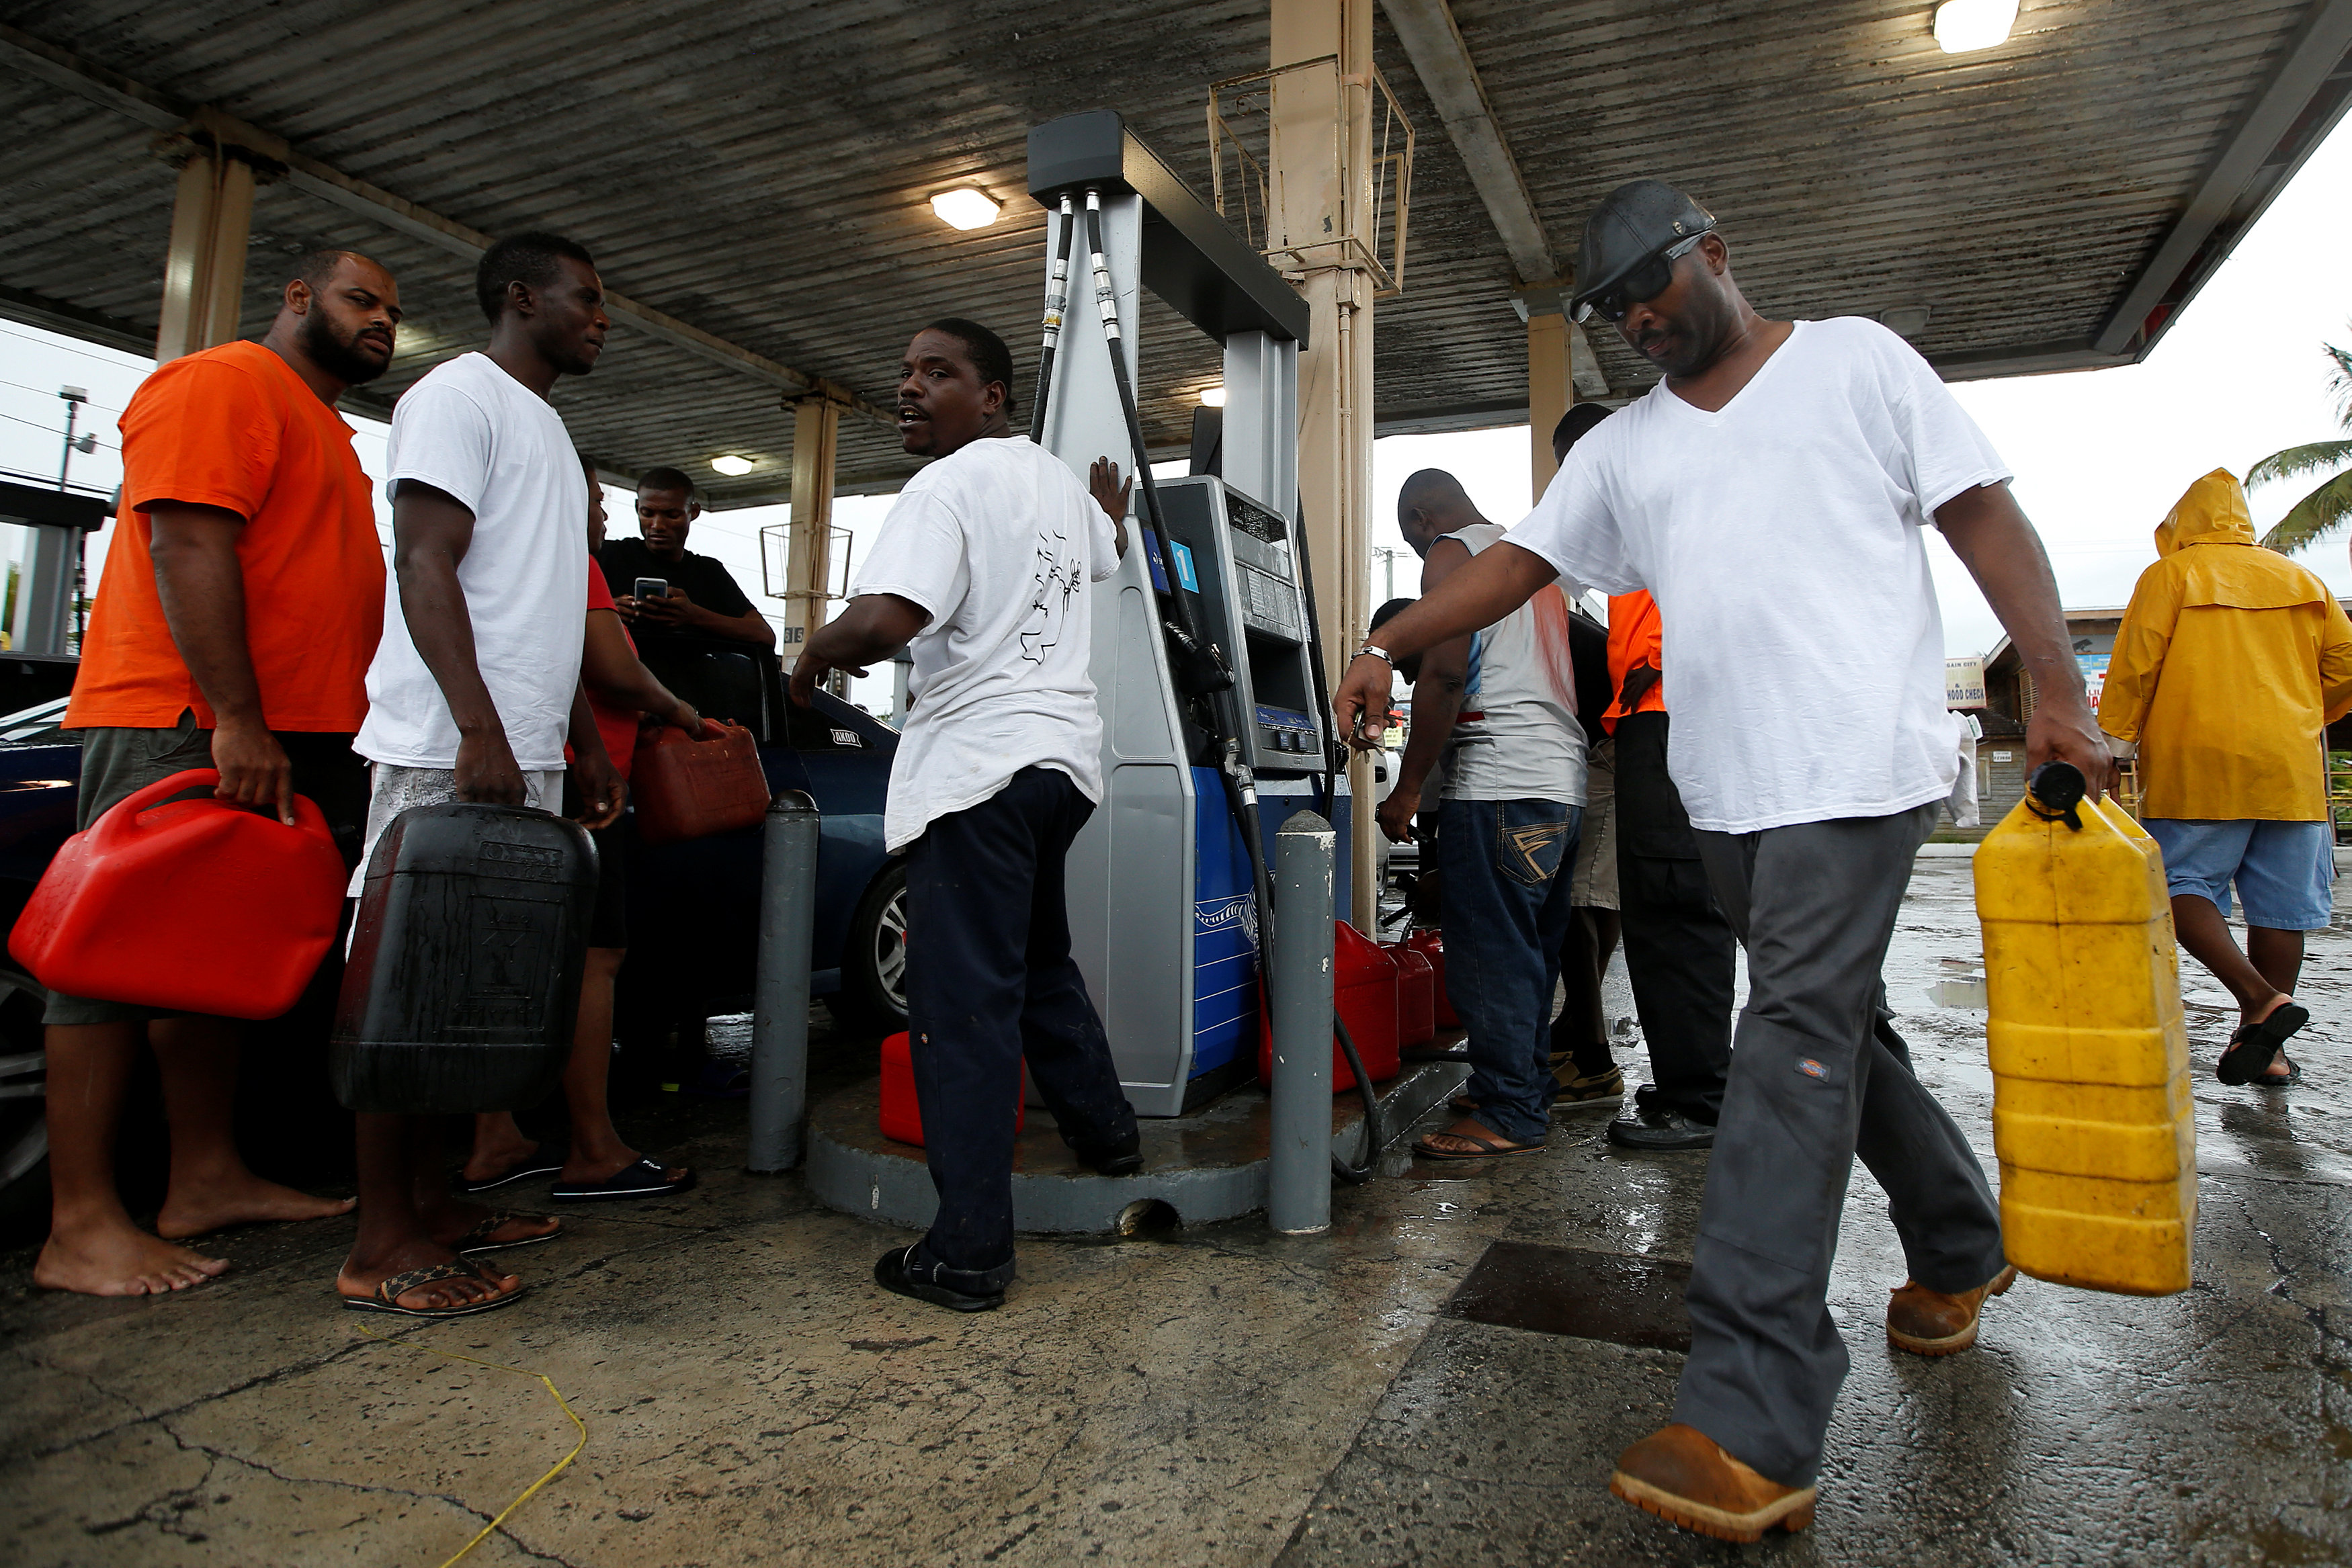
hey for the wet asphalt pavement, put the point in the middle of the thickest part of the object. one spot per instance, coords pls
(1444, 1379)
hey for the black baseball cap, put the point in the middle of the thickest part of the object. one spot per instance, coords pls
(1636, 221)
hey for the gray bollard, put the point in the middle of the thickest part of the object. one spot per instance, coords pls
(1298, 1172)
(781, 994)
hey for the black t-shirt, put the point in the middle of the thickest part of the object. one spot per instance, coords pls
(700, 578)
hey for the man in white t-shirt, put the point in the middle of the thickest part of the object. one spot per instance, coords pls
(1773, 493)
(475, 689)
(1496, 710)
(984, 565)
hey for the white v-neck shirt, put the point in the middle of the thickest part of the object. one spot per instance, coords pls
(1001, 544)
(1780, 536)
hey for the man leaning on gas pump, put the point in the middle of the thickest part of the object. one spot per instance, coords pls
(1773, 493)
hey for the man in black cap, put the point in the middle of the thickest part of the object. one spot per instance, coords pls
(1774, 492)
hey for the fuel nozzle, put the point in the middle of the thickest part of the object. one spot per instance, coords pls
(2055, 792)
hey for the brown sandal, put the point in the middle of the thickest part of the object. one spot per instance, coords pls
(477, 1239)
(386, 1296)
(1489, 1148)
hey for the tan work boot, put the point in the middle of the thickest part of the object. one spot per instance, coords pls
(1680, 1474)
(1930, 1322)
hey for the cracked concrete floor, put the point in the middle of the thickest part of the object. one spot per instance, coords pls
(1215, 1396)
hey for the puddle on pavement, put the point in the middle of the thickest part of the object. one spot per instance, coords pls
(1968, 993)
(1584, 1295)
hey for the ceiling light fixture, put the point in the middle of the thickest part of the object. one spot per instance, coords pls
(1909, 320)
(1213, 397)
(731, 466)
(965, 209)
(1963, 25)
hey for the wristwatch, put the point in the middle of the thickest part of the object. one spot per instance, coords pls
(1376, 652)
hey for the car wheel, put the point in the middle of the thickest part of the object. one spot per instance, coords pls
(873, 965)
(24, 1103)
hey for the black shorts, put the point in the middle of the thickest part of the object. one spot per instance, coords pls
(609, 926)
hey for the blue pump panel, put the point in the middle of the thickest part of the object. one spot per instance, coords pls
(1224, 933)
(1152, 554)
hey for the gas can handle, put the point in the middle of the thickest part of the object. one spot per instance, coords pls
(2055, 792)
(115, 823)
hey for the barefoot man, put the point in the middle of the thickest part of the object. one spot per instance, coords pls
(1774, 492)
(232, 630)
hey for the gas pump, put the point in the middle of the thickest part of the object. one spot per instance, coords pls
(1204, 653)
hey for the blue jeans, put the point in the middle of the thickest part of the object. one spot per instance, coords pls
(2284, 871)
(1503, 865)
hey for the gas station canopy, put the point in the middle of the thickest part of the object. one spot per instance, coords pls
(755, 179)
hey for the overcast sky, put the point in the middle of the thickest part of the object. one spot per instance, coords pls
(2100, 455)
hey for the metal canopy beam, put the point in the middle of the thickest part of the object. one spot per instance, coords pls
(2302, 102)
(63, 69)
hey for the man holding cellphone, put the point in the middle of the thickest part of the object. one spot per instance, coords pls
(665, 590)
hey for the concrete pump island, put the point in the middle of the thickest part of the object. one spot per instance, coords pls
(712, 703)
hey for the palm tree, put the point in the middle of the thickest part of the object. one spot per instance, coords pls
(2328, 507)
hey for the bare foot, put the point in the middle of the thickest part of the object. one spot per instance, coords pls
(119, 1260)
(361, 1277)
(249, 1200)
(1471, 1138)
(498, 1147)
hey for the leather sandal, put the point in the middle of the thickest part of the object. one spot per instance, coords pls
(386, 1296)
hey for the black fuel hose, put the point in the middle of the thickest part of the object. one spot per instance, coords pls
(1057, 300)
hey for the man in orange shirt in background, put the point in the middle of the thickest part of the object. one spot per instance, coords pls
(240, 604)
(1680, 953)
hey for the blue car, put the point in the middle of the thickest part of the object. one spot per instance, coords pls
(693, 906)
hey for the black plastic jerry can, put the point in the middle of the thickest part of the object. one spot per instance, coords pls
(464, 977)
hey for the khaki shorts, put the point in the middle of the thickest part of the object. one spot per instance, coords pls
(1594, 884)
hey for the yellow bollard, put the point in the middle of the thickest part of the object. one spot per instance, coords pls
(2092, 1113)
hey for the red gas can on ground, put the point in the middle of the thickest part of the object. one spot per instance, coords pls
(1416, 996)
(1430, 945)
(902, 1117)
(1364, 987)
(689, 788)
(193, 905)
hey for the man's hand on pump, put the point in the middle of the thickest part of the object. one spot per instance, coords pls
(1111, 495)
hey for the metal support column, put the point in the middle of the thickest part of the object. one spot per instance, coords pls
(1317, 201)
(1550, 390)
(1299, 1164)
(781, 1000)
(212, 219)
(808, 541)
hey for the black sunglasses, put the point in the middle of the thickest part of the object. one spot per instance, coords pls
(1651, 278)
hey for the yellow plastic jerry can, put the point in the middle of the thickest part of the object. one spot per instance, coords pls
(2092, 1115)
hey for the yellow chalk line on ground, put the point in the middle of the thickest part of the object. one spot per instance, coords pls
(531, 1490)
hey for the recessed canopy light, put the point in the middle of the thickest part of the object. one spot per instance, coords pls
(1962, 26)
(965, 209)
(734, 467)
(1910, 320)
(1213, 397)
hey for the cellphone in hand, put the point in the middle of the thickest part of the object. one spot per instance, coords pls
(652, 588)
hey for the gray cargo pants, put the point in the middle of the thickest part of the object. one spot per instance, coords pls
(1818, 1076)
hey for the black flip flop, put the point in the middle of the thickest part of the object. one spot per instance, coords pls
(538, 1164)
(643, 1179)
(386, 1297)
(2253, 1047)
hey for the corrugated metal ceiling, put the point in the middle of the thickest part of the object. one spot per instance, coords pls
(760, 169)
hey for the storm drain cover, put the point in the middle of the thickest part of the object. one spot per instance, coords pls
(1585, 1295)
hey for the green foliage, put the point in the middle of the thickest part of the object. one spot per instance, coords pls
(2328, 507)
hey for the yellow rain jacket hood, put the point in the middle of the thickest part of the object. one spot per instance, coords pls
(2230, 664)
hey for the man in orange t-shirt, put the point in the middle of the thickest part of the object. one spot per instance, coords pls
(239, 606)
(1680, 953)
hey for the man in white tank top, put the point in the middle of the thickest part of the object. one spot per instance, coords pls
(1497, 708)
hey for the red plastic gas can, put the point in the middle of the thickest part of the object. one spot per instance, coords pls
(902, 1116)
(193, 905)
(1364, 988)
(1430, 945)
(1416, 996)
(689, 788)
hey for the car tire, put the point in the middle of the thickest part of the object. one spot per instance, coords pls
(24, 1102)
(874, 959)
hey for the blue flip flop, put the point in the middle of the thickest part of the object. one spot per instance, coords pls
(643, 1179)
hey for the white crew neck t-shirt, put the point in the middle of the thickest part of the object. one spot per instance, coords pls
(1524, 742)
(1782, 538)
(473, 431)
(998, 542)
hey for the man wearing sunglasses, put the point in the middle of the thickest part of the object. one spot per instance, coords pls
(1773, 494)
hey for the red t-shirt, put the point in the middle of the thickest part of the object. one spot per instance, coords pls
(618, 726)
(235, 427)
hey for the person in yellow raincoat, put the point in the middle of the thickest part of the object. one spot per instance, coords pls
(2231, 661)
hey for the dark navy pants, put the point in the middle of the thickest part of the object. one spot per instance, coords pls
(990, 981)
